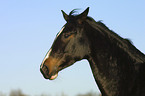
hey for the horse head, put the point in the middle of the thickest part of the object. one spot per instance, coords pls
(70, 45)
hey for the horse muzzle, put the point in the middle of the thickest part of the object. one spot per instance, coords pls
(46, 73)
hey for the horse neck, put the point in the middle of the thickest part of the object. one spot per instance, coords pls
(112, 64)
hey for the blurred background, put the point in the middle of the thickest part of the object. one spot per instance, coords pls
(28, 29)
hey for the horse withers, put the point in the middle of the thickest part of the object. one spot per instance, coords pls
(118, 67)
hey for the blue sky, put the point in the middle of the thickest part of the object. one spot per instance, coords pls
(28, 28)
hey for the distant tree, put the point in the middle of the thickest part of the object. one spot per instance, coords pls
(62, 94)
(44, 95)
(17, 93)
(89, 94)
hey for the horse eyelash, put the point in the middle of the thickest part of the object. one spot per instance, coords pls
(66, 35)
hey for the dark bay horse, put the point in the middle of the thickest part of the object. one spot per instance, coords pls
(118, 66)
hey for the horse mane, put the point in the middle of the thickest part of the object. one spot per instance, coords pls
(103, 29)
(124, 43)
(101, 25)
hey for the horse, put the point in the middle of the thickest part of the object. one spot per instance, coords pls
(117, 65)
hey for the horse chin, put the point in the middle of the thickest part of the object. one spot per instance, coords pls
(53, 76)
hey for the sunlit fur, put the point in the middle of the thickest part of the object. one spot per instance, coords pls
(118, 67)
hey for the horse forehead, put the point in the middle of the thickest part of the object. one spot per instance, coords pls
(67, 27)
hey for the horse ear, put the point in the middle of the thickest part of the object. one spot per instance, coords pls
(82, 17)
(65, 16)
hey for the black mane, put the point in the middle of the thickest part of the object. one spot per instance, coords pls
(124, 43)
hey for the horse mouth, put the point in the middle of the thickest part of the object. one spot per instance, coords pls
(46, 75)
(50, 77)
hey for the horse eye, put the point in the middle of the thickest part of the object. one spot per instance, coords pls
(66, 35)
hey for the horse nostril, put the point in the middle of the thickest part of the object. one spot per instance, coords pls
(44, 70)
